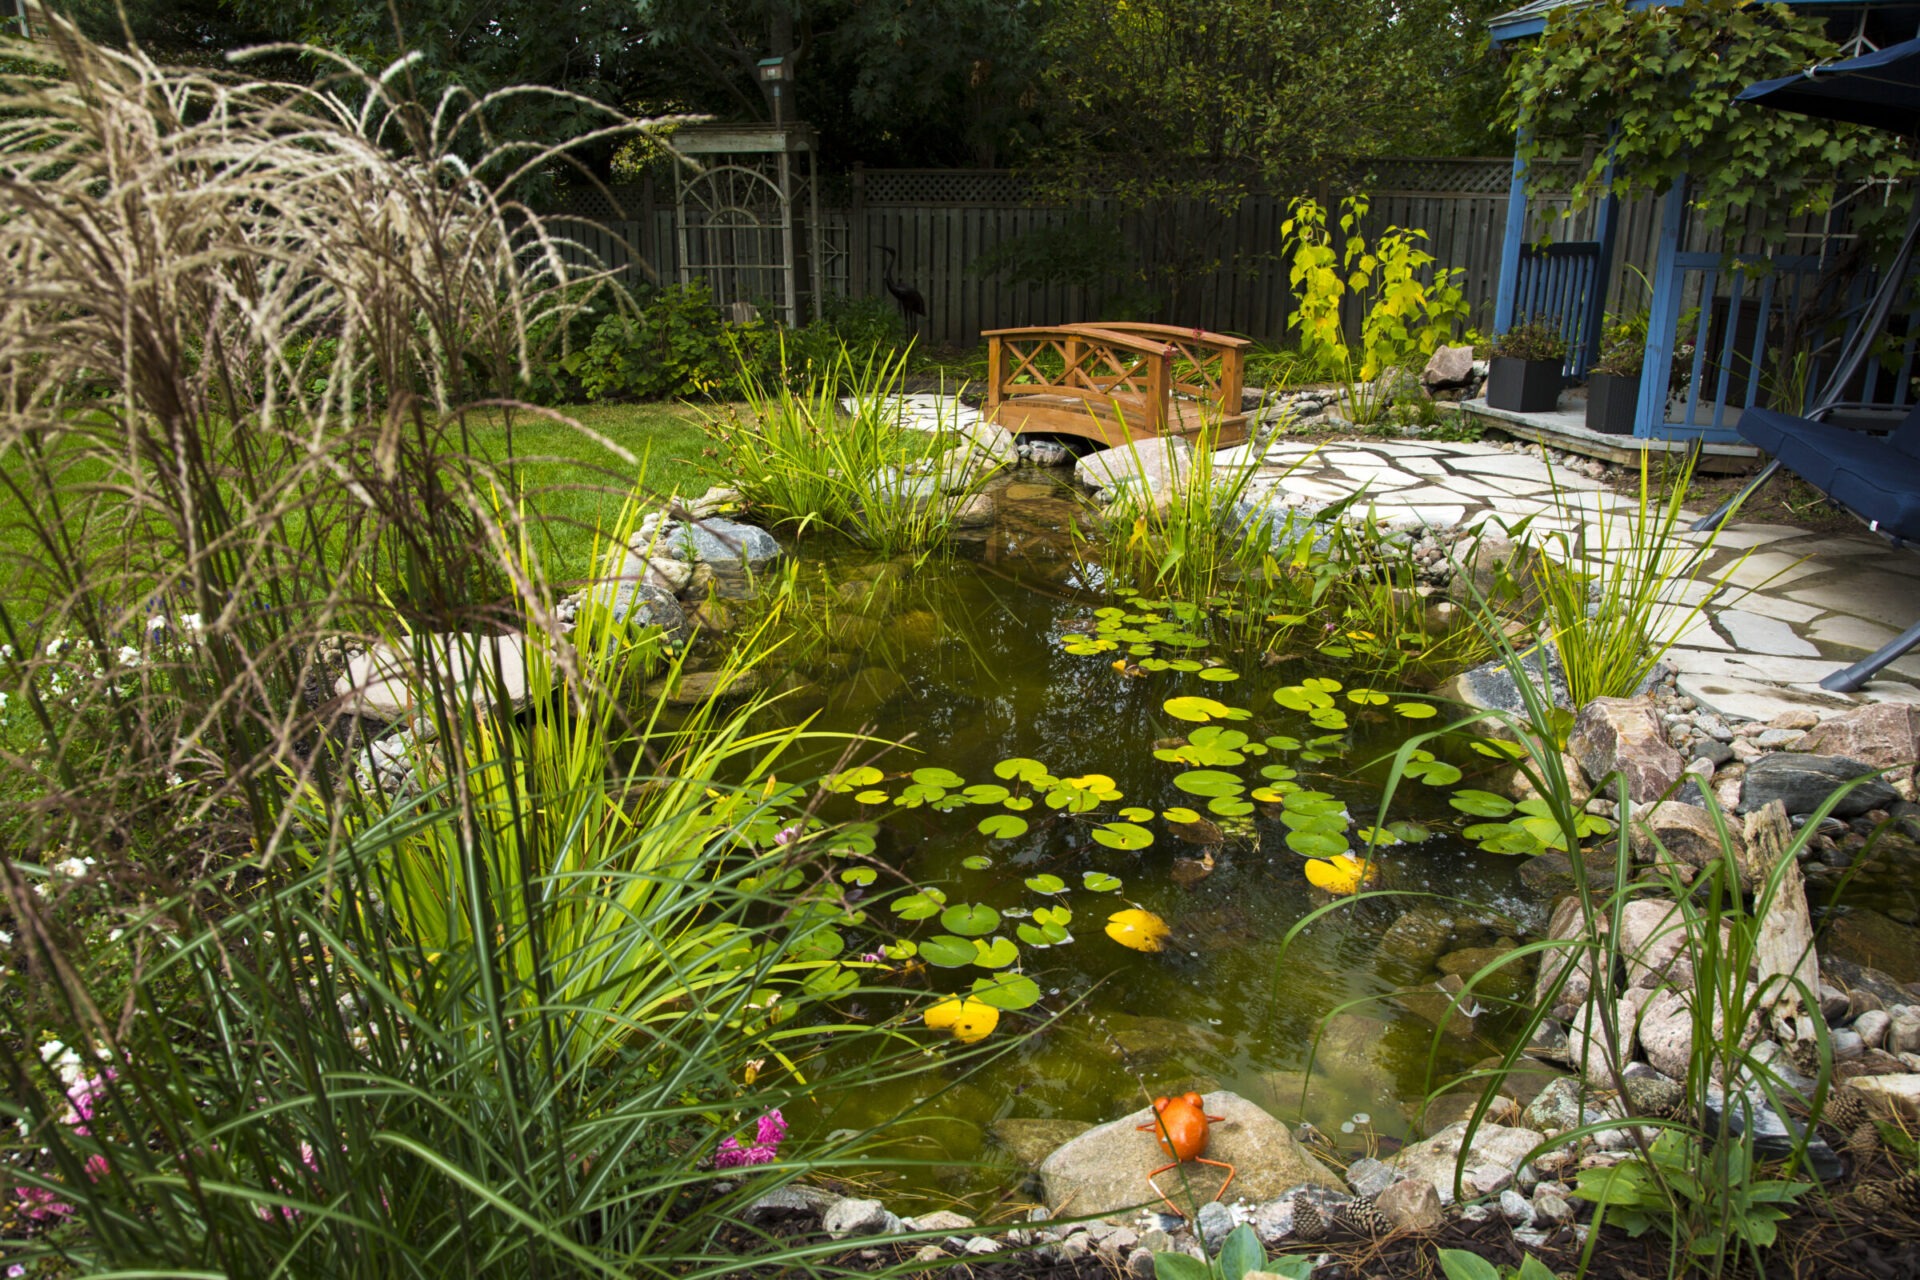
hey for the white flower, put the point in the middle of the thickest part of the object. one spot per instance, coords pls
(6, 939)
(129, 656)
(190, 622)
(72, 868)
(53, 646)
(113, 935)
(156, 624)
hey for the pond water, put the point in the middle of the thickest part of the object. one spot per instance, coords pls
(967, 660)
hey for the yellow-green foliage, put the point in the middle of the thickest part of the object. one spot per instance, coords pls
(1404, 317)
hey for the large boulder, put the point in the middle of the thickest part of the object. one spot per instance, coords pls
(1494, 686)
(1623, 736)
(1142, 467)
(1802, 782)
(735, 552)
(643, 604)
(1448, 368)
(1884, 734)
(389, 681)
(1568, 925)
(1104, 1170)
(1489, 1161)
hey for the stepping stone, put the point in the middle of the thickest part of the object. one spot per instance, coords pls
(1748, 699)
(1756, 633)
(388, 683)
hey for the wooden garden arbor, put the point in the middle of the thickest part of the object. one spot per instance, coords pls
(1117, 381)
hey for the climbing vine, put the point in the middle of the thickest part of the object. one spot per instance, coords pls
(1661, 83)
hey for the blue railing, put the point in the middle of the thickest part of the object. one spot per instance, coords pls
(1556, 283)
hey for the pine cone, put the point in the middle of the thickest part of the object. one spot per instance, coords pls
(1362, 1218)
(1890, 1195)
(1846, 1110)
(1863, 1143)
(1309, 1224)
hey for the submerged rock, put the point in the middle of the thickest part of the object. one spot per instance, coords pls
(1104, 1170)
(1031, 1141)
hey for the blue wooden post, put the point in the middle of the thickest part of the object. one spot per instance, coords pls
(1607, 232)
(1663, 315)
(1503, 299)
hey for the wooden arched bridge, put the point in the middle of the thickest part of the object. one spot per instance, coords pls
(1115, 382)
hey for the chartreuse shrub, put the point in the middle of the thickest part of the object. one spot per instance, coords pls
(503, 1026)
(1407, 305)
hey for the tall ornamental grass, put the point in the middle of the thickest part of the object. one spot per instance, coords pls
(536, 1016)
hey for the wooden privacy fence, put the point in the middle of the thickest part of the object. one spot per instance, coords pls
(941, 222)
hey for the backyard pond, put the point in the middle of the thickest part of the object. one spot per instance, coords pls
(1106, 813)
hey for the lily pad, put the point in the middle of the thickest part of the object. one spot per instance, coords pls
(1196, 709)
(1019, 804)
(1100, 881)
(1134, 813)
(997, 954)
(1416, 710)
(1002, 826)
(946, 779)
(1316, 844)
(970, 919)
(1180, 814)
(967, 1018)
(872, 797)
(858, 875)
(1209, 782)
(1138, 929)
(853, 779)
(1010, 991)
(985, 793)
(1046, 884)
(1123, 835)
(1219, 674)
(1229, 806)
(947, 952)
(923, 905)
(978, 862)
(1021, 768)
(1481, 804)
(1366, 698)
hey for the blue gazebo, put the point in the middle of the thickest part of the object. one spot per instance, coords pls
(1739, 307)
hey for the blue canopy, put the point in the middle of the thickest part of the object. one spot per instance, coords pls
(1881, 89)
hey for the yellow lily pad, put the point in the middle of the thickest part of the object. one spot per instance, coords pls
(1137, 929)
(967, 1018)
(1342, 874)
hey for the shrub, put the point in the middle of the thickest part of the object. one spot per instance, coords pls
(1535, 339)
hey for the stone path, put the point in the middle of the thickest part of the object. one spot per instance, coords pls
(1781, 608)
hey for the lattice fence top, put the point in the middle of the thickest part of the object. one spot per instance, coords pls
(1437, 176)
(947, 186)
(592, 202)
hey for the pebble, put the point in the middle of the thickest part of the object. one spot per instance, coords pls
(1871, 1027)
(1550, 1208)
(1514, 1208)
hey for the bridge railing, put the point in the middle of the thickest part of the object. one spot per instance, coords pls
(1134, 370)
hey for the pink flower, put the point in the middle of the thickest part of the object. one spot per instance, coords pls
(96, 1167)
(769, 1131)
(787, 835)
(40, 1205)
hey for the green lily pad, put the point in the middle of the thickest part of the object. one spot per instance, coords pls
(858, 875)
(1021, 768)
(923, 905)
(1134, 813)
(947, 952)
(970, 919)
(945, 779)
(1046, 884)
(1196, 709)
(1481, 804)
(1180, 813)
(1009, 991)
(1229, 806)
(1411, 832)
(1123, 835)
(1416, 710)
(1019, 804)
(978, 862)
(854, 779)
(1316, 844)
(1100, 881)
(1061, 915)
(1209, 782)
(985, 793)
(1366, 698)
(1435, 773)
(872, 797)
(1002, 826)
(1219, 674)
(997, 954)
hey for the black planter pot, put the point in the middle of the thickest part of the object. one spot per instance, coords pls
(1611, 401)
(1524, 386)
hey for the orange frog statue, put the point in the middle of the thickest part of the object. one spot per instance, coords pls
(1181, 1126)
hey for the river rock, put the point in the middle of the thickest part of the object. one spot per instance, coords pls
(1682, 837)
(1653, 942)
(860, 1218)
(1491, 568)
(1412, 1205)
(1623, 736)
(646, 604)
(1145, 466)
(1895, 1094)
(735, 552)
(1884, 734)
(1045, 453)
(973, 512)
(388, 681)
(696, 687)
(1802, 782)
(1420, 936)
(1493, 686)
(1568, 924)
(1448, 368)
(1495, 1152)
(1103, 1170)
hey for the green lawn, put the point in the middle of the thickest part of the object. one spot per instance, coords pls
(576, 485)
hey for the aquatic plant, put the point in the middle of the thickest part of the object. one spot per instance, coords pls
(826, 450)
